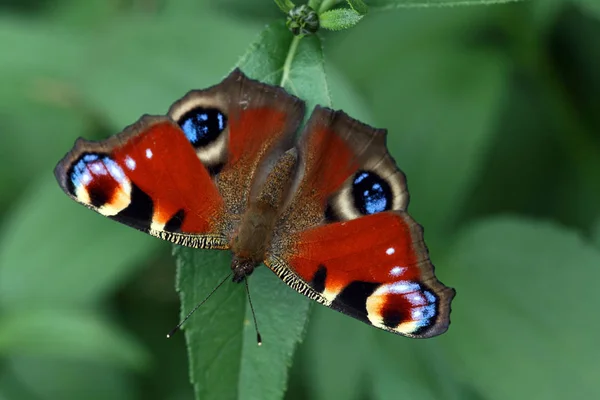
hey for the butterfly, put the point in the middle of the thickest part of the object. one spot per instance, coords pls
(326, 212)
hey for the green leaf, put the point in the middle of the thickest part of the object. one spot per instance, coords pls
(345, 357)
(339, 19)
(225, 361)
(359, 6)
(278, 58)
(524, 300)
(335, 354)
(592, 7)
(416, 369)
(126, 62)
(214, 334)
(39, 55)
(381, 5)
(54, 251)
(285, 5)
(40, 378)
(596, 233)
(282, 314)
(68, 334)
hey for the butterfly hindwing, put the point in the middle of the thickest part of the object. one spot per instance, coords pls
(346, 241)
(374, 268)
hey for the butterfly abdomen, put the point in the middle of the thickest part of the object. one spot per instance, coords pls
(253, 238)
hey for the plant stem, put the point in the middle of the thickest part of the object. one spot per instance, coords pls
(287, 65)
(314, 4)
(326, 5)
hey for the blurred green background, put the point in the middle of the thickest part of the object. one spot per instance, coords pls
(493, 112)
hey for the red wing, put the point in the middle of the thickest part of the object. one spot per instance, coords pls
(340, 159)
(375, 268)
(259, 123)
(150, 178)
(187, 177)
(345, 240)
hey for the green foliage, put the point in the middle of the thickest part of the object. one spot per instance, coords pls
(537, 316)
(590, 6)
(491, 112)
(68, 334)
(338, 19)
(83, 270)
(382, 5)
(225, 360)
(359, 6)
(285, 5)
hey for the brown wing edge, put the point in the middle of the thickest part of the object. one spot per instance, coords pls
(444, 293)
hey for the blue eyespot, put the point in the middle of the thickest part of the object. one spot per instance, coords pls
(425, 315)
(92, 165)
(371, 193)
(203, 125)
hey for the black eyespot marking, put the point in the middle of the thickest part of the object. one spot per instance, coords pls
(393, 318)
(174, 224)
(353, 299)
(330, 215)
(215, 169)
(98, 196)
(202, 125)
(138, 213)
(318, 280)
(371, 193)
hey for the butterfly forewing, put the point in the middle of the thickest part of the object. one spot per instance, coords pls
(259, 123)
(135, 178)
(187, 177)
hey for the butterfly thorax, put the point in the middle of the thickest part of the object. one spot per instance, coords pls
(253, 237)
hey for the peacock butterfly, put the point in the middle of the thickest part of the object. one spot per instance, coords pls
(326, 213)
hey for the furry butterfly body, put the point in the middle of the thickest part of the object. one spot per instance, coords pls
(326, 212)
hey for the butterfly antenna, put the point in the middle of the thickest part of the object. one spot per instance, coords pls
(258, 337)
(172, 332)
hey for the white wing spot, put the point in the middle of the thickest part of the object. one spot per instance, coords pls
(130, 162)
(390, 251)
(148, 153)
(86, 178)
(416, 299)
(98, 168)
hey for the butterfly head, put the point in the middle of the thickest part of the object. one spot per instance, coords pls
(241, 268)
